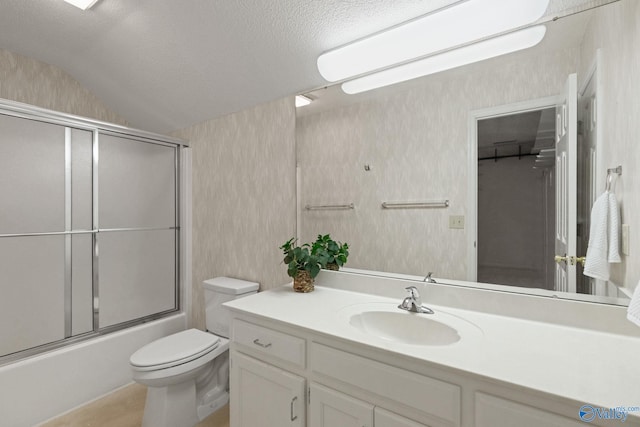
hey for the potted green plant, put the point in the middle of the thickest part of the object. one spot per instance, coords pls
(302, 264)
(331, 254)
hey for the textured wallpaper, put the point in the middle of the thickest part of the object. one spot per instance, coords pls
(33, 82)
(615, 30)
(244, 193)
(415, 143)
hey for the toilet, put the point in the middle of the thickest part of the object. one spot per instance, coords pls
(187, 373)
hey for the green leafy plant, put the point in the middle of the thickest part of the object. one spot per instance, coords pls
(300, 258)
(329, 251)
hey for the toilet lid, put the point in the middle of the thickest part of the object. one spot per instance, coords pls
(175, 349)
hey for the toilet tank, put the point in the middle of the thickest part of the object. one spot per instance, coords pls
(218, 291)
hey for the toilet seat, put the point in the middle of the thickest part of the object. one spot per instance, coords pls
(174, 350)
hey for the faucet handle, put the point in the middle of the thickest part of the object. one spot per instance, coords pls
(428, 278)
(414, 294)
(413, 302)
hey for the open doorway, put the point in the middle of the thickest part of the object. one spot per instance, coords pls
(516, 198)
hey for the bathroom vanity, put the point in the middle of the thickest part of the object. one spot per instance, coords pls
(343, 357)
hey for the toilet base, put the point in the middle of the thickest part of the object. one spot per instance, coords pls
(171, 406)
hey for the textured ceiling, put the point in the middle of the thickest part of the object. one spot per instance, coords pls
(165, 64)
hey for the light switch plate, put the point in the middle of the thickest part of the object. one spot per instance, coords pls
(456, 221)
(625, 239)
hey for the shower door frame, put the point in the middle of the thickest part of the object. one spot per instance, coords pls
(97, 128)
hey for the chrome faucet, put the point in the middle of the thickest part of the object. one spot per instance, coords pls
(413, 302)
(428, 278)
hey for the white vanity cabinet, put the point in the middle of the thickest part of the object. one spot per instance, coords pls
(263, 394)
(283, 374)
(279, 379)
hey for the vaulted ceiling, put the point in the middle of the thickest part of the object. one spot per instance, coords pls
(165, 64)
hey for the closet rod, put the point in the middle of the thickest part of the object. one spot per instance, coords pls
(505, 157)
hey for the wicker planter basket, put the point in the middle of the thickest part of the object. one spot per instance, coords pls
(303, 282)
(332, 266)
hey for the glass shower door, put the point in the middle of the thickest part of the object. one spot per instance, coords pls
(138, 229)
(41, 275)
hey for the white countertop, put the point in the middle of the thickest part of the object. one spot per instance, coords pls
(583, 365)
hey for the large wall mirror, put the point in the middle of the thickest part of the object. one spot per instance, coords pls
(481, 142)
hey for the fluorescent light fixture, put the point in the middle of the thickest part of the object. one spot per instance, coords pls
(302, 100)
(82, 4)
(496, 46)
(459, 24)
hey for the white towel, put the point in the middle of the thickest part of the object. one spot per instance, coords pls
(633, 311)
(604, 237)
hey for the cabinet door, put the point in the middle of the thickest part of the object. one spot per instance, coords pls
(263, 395)
(329, 408)
(385, 418)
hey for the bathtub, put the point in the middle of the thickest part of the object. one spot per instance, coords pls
(42, 387)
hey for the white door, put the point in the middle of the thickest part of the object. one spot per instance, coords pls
(566, 186)
(263, 395)
(385, 418)
(329, 408)
(591, 169)
(587, 168)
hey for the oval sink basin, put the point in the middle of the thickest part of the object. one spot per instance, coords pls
(404, 327)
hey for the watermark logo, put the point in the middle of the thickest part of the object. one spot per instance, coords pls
(588, 413)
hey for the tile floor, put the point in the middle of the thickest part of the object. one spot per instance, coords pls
(123, 408)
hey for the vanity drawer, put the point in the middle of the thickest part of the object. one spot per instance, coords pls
(267, 341)
(438, 400)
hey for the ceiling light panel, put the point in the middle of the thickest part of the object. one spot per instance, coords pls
(82, 4)
(456, 25)
(496, 46)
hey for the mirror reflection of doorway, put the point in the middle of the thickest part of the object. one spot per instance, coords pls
(516, 199)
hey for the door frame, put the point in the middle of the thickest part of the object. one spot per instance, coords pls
(472, 177)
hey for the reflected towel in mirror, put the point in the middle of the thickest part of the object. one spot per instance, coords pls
(604, 237)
